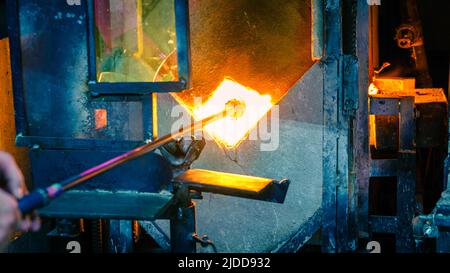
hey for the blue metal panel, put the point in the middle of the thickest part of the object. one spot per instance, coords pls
(145, 174)
(183, 41)
(49, 49)
(135, 88)
(55, 112)
(383, 224)
(351, 95)
(361, 128)
(340, 102)
(331, 113)
(406, 199)
(54, 74)
(91, 40)
(76, 144)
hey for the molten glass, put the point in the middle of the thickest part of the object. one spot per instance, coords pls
(373, 89)
(231, 130)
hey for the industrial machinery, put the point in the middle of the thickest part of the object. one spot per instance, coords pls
(131, 49)
(333, 150)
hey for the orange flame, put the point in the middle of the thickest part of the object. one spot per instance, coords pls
(231, 131)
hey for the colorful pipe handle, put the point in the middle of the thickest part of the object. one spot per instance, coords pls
(39, 198)
(36, 199)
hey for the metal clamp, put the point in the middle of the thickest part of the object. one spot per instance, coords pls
(204, 241)
(182, 153)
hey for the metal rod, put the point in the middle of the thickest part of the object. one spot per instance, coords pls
(40, 197)
(140, 151)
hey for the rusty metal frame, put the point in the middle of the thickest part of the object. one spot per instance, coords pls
(341, 99)
(404, 168)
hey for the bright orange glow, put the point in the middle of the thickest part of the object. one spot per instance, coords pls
(230, 131)
(373, 131)
(373, 89)
(101, 119)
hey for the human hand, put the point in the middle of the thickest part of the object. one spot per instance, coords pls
(12, 188)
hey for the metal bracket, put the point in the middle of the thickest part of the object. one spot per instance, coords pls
(204, 241)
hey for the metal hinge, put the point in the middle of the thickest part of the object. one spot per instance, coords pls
(350, 85)
(204, 241)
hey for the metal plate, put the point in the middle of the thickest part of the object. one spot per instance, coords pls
(249, 187)
(108, 205)
(383, 106)
(267, 48)
(204, 179)
(148, 173)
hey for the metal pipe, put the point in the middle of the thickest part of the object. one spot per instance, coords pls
(182, 230)
(40, 197)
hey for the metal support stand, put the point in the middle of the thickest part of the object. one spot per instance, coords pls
(120, 236)
(183, 223)
(404, 168)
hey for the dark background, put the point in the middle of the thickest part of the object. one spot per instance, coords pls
(435, 15)
(3, 29)
(436, 23)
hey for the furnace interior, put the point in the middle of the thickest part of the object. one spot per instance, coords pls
(266, 47)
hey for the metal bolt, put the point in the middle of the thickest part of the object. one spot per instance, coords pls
(180, 214)
(430, 231)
